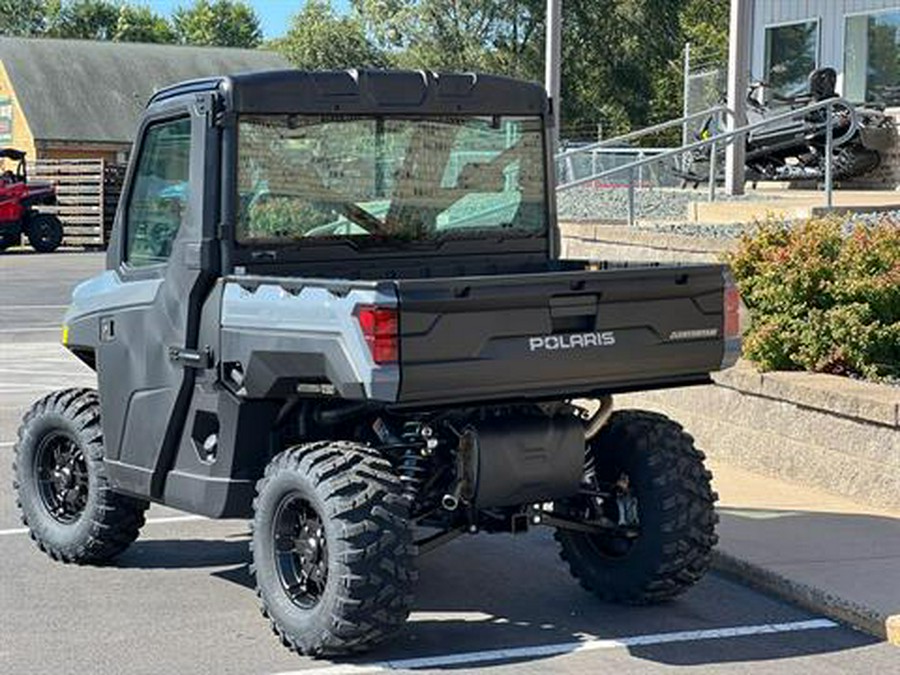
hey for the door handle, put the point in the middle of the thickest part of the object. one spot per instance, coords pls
(577, 305)
(192, 358)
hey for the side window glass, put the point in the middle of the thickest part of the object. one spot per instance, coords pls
(159, 195)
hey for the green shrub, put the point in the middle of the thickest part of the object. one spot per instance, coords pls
(823, 295)
(277, 217)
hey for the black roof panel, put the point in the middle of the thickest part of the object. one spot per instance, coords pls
(371, 92)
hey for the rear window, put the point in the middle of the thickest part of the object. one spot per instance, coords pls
(303, 177)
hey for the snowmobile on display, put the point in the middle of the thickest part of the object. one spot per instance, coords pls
(794, 149)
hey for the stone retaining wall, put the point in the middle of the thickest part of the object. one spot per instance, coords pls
(818, 430)
(620, 243)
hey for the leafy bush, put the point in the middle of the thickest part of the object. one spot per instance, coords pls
(823, 295)
(277, 217)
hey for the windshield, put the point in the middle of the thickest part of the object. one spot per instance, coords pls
(303, 177)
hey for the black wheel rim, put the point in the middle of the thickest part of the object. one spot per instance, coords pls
(624, 510)
(301, 550)
(620, 508)
(62, 476)
(45, 233)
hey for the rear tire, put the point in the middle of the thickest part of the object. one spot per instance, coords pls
(63, 492)
(333, 552)
(675, 513)
(45, 232)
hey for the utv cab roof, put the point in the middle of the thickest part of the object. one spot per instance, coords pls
(12, 153)
(368, 92)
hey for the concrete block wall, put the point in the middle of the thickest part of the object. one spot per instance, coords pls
(811, 429)
(620, 243)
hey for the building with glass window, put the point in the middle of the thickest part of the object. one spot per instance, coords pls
(860, 39)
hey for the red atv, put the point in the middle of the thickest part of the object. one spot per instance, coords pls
(18, 198)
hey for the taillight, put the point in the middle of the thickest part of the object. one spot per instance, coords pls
(731, 322)
(380, 329)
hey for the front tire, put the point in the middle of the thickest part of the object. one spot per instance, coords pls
(62, 489)
(45, 232)
(333, 552)
(9, 240)
(664, 493)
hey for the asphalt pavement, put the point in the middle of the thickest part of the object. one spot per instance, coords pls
(179, 600)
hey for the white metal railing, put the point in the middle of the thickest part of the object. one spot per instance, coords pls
(646, 131)
(717, 139)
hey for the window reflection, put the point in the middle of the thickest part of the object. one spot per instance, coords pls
(791, 55)
(872, 58)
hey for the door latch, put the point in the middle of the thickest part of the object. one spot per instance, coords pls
(107, 329)
(192, 358)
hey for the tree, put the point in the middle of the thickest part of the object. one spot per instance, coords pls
(387, 23)
(704, 24)
(319, 38)
(23, 18)
(519, 41)
(487, 35)
(621, 58)
(82, 19)
(223, 23)
(615, 52)
(137, 23)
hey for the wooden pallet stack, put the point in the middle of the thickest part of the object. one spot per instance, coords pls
(87, 191)
(113, 179)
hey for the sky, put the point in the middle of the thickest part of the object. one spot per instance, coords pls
(274, 15)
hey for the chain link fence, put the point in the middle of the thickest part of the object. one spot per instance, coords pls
(706, 81)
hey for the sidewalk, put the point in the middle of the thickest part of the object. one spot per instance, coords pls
(812, 548)
(791, 204)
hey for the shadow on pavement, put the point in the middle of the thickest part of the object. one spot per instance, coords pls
(757, 648)
(184, 554)
(486, 593)
(28, 251)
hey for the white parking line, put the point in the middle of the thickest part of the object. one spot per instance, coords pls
(18, 308)
(37, 371)
(68, 361)
(150, 521)
(538, 651)
(72, 380)
(31, 329)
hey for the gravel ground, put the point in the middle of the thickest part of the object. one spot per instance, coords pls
(666, 206)
(612, 203)
(873, 218)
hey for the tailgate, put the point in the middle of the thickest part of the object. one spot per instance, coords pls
(558, 333)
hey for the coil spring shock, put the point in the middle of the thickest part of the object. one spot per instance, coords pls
(414, 461)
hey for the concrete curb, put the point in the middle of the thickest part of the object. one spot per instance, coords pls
(866, 619)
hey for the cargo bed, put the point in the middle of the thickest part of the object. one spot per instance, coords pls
(482, 338)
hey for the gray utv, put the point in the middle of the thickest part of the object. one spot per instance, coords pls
(334, 304)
